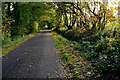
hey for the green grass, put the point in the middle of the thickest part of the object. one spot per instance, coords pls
(84, 59)
(13, 44)
(75, 66)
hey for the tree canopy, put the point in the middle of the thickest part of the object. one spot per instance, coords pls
(94, 25)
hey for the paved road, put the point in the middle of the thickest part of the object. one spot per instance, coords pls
(36, 58)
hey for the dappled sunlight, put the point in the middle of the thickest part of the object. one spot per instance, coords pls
(45, 32)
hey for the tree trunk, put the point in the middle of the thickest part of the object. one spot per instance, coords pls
(9, 8)
(17, 13)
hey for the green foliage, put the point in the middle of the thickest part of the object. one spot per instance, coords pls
(104, 54)
(97, 34)
(66, 57)
(73, 34)
(6, 28)
(17, 40)
(102, 51)
(34, 27)
(24, 18)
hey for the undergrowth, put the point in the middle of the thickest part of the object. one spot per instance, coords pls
(8, 44)
(88, 60)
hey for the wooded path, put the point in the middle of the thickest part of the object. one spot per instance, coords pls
(36, 58)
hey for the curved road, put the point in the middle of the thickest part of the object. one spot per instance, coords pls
(36, 58)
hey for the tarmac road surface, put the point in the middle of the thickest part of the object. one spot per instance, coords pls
(35, 58)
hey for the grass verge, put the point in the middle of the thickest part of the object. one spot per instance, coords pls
(75, 66)
(9, 47)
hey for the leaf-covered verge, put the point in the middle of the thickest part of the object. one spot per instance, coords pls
(74, 64)
(84, 60)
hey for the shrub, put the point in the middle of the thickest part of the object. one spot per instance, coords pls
(73, 34)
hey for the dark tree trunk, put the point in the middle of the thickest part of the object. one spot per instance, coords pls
(66, 19)
(73, 22)
(9, 8)
(17, 13)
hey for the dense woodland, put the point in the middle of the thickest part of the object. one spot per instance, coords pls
(92, 25)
